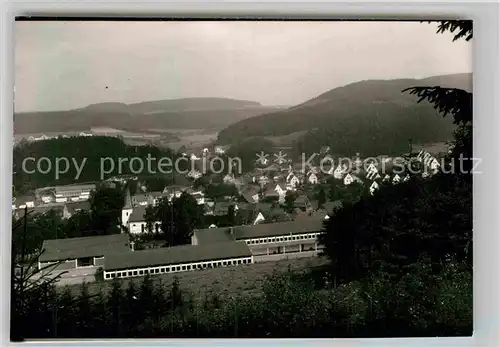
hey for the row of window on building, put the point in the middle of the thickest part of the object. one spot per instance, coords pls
(176, 268)
(282, 239)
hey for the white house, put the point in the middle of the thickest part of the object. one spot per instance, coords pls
(289, 176)
(194, 157)
(373, 187)
(263, 180)
(228, 179)
(281, 190)
(372, 173)
(371, 168)
(407, 178)
(312, 178)
(338, 173)
(194, 174)
(259, 218)
(137, 223)
(220, 149)
(386, 178)
(348, 179)
(396, 179)
(85, 134)
(293, 183)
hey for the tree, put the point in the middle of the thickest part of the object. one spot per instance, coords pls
(106, 205)
(151, 217)
(321, 197)
(332, 192)
(231, 215)
(402, 223)
(452, 101)
(178, 219)
(290, 198)
(115, 304)
(29, 284)
(79, 225)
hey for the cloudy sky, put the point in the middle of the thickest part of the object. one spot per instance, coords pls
(65, 65)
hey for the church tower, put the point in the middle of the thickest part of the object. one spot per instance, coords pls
(127, 208)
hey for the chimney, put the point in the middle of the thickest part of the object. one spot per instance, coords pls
(132, 246)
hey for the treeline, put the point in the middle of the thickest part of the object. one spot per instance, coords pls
(383, 129)
(352, 121)
(81, 159)
(420, 302)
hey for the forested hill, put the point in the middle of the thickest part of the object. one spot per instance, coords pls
(372, 117)
(89, 153)
(189, 113)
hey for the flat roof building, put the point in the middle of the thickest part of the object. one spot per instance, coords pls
(176, 259)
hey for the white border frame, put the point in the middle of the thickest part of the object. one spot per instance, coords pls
(486, 140)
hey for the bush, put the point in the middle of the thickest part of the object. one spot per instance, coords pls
(99, 274)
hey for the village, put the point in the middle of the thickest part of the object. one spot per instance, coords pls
(272, 212)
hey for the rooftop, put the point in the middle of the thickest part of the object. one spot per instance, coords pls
(75, 187)
(242, 232)
(176, 255)
(298, 226)
(77, 206)
(137, 214)
(213, 235)
(82, 247)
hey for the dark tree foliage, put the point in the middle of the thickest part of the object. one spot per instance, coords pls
(462, 27)
(399, 224)
(290, 198)
(321, 197)
(452, 101)
(105, 209)
(99, 156)
(220, 191)
(178, 219)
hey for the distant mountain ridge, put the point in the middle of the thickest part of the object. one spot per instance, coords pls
(371, 116)
(187, 113)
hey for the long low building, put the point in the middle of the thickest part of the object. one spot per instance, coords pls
(270, 238)
(80, 252)
(176, 259)
(210, 248)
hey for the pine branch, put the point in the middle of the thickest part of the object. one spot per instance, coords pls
(456, 102)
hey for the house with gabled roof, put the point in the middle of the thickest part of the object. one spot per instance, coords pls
(70, 209)
(228, 179)
(374, 186)
(396, 179)
(250, 194)
(137, 221)
(312, 178)
(348, 179)
(339, 172)
(194, 174)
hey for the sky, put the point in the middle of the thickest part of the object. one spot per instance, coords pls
(66, 65)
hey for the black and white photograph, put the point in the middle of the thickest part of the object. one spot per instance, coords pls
(242, 179)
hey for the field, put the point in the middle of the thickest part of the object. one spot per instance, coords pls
(286, 140)
(433, 148)
(225, 281)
